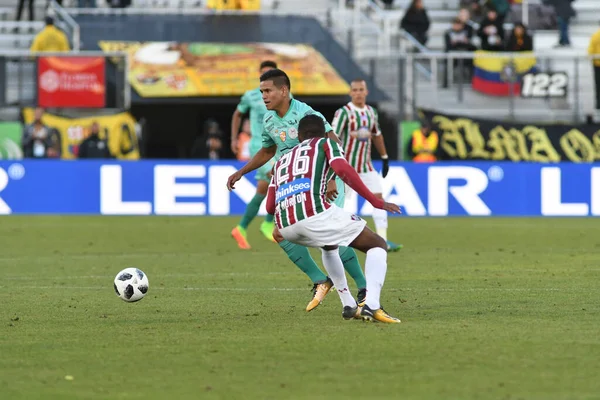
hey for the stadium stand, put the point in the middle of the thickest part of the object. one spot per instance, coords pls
(378, 41)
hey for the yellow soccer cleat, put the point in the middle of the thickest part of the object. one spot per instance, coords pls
(320, 290)
(378, 315)
(239, 234)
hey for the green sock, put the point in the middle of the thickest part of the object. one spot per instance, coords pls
(352, 266)
(251, 210)
(269, 218)
(301, 257)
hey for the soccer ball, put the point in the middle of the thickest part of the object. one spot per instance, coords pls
(131, 284)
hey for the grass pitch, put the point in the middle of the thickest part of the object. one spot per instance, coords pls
(491, 309)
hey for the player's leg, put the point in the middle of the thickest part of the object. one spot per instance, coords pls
(301, 257)
(375, 248)
(335, 269)
(239, 233)
(347, 254)
(372, 181)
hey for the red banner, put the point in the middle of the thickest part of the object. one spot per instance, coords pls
(76, 82)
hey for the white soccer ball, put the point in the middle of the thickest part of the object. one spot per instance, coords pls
(131, 284)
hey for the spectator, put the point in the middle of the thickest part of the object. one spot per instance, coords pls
(243, 142)
(465, 17)
(416, 21)
(519, 39)
(50, 39)
(86, 3)
(119, 3)
(210, 143)
(93, 146)
(502, 7)
(594, 50)
(474, 8)
(39, 140)
(564, 12)
(457, 39)
(491, 32)
(424, 144)
(388, 4)
(29, 7)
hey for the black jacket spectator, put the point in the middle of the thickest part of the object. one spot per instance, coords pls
(491, 33)
(93, 146)
(40, 140)
(563, 8)
(416, 21)
(458, 38)
(519, 39)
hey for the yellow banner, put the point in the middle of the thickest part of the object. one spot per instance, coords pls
(164, 69)
(118, 128)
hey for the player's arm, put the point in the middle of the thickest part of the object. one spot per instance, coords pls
(259, 159)
(380, 146)
(271, 197)
(345, 171)
(236, 121)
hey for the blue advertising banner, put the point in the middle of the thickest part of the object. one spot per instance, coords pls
(199, 188)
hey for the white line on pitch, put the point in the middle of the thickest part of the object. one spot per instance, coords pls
(232, 289)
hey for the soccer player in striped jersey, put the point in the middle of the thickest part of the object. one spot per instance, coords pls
(357, 125)
(303, 215)
(252, 102)
(280, 135)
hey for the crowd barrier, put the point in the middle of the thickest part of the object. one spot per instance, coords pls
(152, 187)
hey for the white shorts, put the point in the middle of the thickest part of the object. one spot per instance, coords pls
(372, 181)
(334, 227)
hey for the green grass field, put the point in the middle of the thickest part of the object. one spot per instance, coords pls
(490, 309)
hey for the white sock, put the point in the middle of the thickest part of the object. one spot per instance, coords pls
(381, 223)
(335, 269)
(375, 270)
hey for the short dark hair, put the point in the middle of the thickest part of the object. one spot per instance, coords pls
(49, 20)
(278, 77)
(311, 126)
(268, 64)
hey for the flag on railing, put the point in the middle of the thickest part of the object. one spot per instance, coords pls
(492, 75)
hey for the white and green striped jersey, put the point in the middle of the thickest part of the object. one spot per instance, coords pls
(355, 127)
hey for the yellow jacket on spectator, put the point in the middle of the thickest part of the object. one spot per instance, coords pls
(234, 4)
(50, 39)
(594, 48)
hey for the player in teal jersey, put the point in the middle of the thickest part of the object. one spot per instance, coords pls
(280, 135)
(252, 102)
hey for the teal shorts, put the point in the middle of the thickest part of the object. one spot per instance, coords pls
(341, 188)
(264, 172)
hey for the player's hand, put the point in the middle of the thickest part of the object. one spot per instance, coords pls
(331, 192)
(236, 176)
(392, 208)
(234, 148)
(386, 167)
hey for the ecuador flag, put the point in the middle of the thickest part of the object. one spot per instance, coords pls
(487, 74)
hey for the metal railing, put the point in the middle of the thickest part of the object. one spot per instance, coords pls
(450, 88)
(19, 77)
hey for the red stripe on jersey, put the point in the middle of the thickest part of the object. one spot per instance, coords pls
(360, 159)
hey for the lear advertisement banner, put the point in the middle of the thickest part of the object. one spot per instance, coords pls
(166, 69)
(67, 81)
(199, 188)
(463, 138)
(118, 128)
